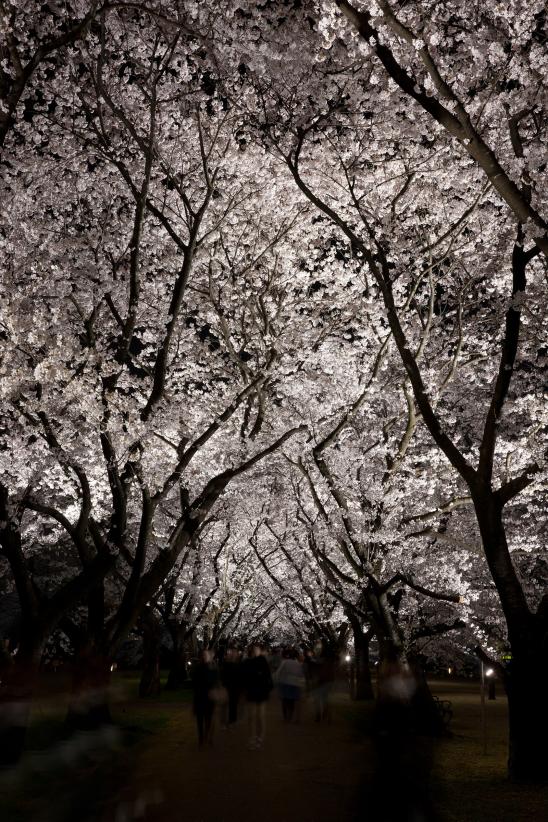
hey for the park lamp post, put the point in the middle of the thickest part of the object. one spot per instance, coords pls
(351, 673)
(484, 674)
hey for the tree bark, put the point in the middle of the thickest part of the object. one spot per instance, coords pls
(177, 672)
(177, 675)
(527, 687)
(362, 685)
(89, 707)
(150, 684)
(526, 679)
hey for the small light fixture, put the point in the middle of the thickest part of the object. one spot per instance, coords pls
(449, 670)
(489, 672)
(348, 657)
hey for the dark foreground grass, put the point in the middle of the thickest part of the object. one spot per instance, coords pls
(67, 776)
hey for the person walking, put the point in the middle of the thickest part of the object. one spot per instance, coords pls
(257, 683)
(290, 678)
(324, 674)
(231, 678)
(205, 683)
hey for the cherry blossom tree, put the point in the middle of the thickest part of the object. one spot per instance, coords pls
(230, 226)
(348, 117)
(115, 383)
(33, 42)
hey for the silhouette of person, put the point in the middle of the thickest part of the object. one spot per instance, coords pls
(404, 758)
(205, 679)
(323, 672)
(257, 683)
(231, 678)
(290, 677)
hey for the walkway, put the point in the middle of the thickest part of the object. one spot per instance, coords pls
(306, 772)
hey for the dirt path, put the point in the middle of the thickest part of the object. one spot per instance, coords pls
(306, 772)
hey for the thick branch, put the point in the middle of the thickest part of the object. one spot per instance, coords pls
(506, 365)
(515, 486)
(421, 589)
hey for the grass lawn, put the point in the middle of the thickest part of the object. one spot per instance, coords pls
(470, 784)
(59, 771)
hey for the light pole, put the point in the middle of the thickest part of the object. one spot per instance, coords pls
(484, 673)
(483, 717)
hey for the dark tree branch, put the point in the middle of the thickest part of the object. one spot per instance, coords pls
(506, 365)
(421, 589)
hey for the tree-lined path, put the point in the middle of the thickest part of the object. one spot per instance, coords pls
(273, 324)
(324, 773)
(306, 771)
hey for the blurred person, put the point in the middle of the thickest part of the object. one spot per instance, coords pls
(404, 758)
(323, 675)
(231, 679)
(275, 659)
(205, 685)
(309, 664)
(257, 684)
(290, 678)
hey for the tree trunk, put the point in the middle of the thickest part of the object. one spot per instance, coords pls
(526, 679)
(177, 675)
(150, 684)
(363, 687)
(527, 689)
(429, 721)
(409, 675)
(89, 707)
(180, 635)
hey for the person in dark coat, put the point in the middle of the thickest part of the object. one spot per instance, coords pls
(205, 681)
(257, 684)
(323, 676)
(231, 678)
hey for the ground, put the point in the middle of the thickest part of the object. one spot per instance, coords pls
(153, 770)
